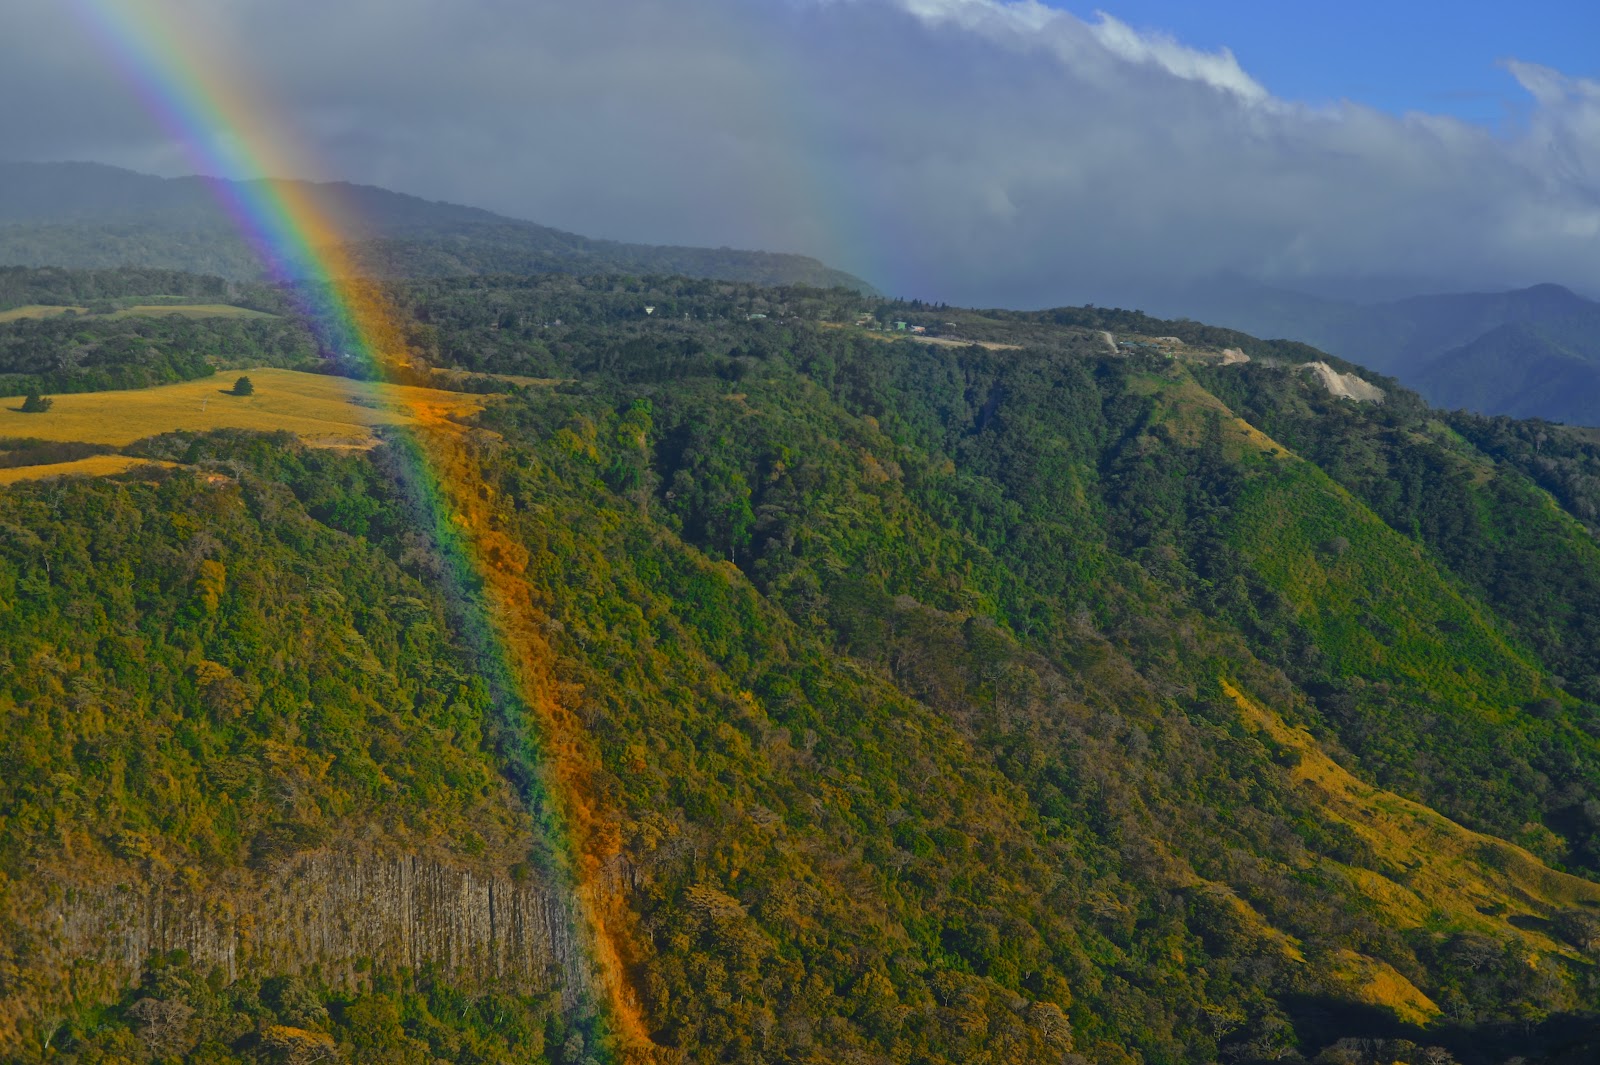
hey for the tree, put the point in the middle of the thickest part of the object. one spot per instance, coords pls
(244, 387)
(36, 404)
(162, 1023)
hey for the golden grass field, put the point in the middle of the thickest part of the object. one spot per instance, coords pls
(154, 310)
(17, 314)
(323, 411)
(190, 310)
(93, 466)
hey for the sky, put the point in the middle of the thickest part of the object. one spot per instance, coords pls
(1439, 56)
(989, 152)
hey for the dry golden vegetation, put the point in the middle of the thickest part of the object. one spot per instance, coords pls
(190, 310)
(181, 310)
(93, 466)
(1451, 872)
(323, 411)
(34, 311)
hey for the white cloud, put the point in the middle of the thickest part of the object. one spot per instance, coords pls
(970, 150)
(1220, 70)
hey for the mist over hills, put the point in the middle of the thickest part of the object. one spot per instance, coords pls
(91, 216)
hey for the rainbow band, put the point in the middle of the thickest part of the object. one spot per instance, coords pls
(199, 105)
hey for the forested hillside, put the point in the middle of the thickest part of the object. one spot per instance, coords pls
(1090, 696)
(92, 217)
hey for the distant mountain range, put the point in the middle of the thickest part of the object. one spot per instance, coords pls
(1533, 352)
(89, 216)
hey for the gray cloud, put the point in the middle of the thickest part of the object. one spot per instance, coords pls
(970, 150)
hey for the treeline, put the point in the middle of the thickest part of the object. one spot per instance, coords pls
(26, 286)
(519, 249)
(551, 325)
(87, 353)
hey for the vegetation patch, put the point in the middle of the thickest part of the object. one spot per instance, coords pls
(92, 466)
(323, 410)
(189, 310)
(37, 311)
(1473, 881)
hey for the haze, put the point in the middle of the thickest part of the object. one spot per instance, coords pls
(972, 151)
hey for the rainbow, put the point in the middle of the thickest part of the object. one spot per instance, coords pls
(219, 122)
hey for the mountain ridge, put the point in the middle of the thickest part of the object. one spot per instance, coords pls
(1529, 352)
(89, 215)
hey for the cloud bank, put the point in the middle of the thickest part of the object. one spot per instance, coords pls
(976, 151)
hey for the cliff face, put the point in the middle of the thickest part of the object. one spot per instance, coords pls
(322, 913)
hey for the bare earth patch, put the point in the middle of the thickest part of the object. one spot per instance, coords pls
(1345, 385)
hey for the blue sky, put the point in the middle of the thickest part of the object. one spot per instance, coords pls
(1399, 55)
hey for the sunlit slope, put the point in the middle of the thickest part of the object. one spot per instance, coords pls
(1451, 870)
(323, 410)
(93, 466)
(1412, 669)
(1439, 700)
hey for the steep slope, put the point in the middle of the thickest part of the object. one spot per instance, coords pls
(823, 512)
(239, 739)
(904, 702)
(87, 216)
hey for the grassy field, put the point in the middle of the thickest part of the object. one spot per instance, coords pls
(324, 411)
(17, 314)
(152, 310)
(190, 310)
(93, 466)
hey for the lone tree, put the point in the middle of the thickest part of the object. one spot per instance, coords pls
(36, 404)
(243, 387)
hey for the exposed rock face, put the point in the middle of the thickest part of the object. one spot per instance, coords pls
(1346, 385)
(324, 912)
